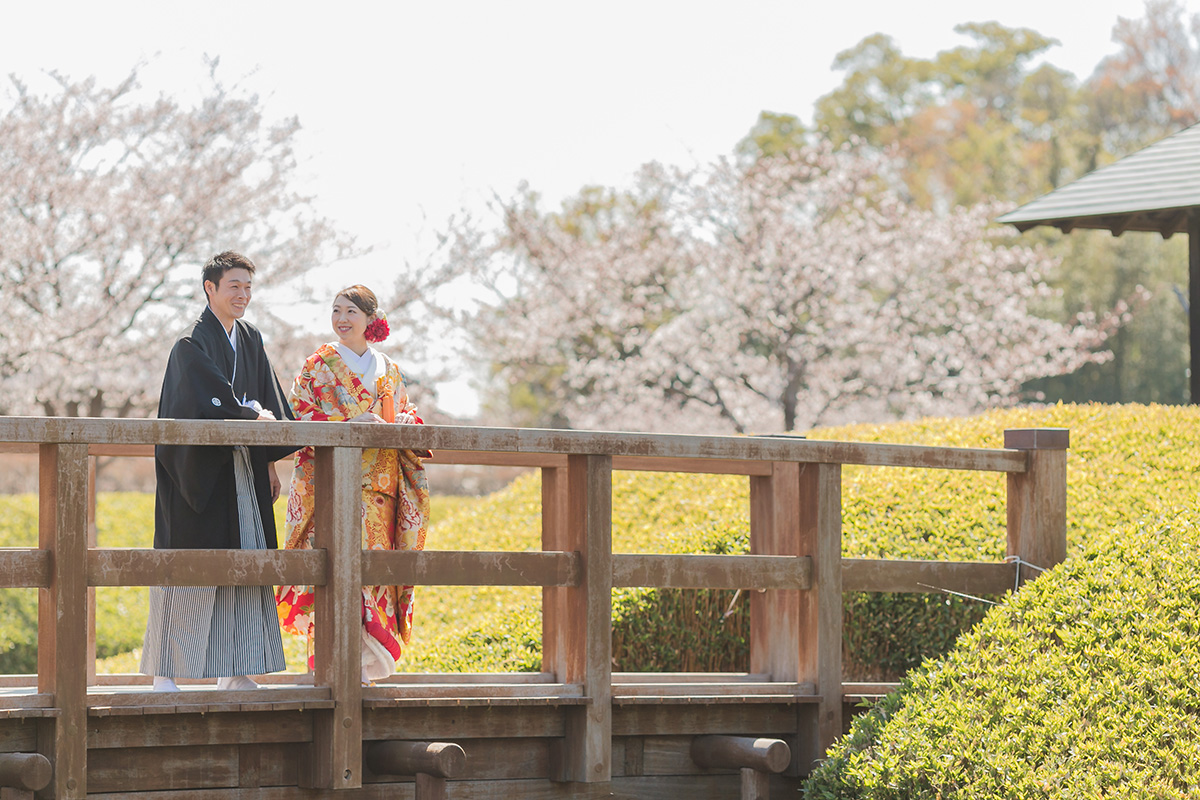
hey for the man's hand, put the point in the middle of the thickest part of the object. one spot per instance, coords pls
(266, 413)
(275, 485)
(371, 417)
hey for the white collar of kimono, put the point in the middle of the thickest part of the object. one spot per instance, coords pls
(369, 367)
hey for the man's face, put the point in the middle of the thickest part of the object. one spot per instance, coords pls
(229, 298)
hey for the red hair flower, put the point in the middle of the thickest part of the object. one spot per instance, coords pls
(378, 329)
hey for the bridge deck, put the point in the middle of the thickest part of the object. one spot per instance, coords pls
(204, 743)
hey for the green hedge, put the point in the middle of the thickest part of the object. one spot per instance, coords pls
(1083, 685)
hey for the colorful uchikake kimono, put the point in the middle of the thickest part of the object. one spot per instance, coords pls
(337, 385)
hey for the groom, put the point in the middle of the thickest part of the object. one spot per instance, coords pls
(217, 496)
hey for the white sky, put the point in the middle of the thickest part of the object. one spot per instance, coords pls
(411, 111)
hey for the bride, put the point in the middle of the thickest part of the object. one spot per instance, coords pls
(349, 380)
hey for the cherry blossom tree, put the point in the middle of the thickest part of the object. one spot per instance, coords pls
(112, 203)
(797, 290)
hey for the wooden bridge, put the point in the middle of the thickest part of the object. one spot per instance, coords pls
(574, 730)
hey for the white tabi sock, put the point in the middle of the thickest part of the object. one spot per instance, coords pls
(236, 682)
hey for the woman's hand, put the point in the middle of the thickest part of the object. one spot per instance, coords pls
(369, 416)
(408, 415)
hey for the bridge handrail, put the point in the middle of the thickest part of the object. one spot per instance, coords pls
(103, 431)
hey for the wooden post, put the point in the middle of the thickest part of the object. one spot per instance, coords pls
(1037, 500)
(62, 611)
(585, 629)
(555, 539)
(336, 758)
(774, 614)
(797, 635)
(429, 787)
(755, 785)
(92, 540)
(1194, 303)
(821, 609)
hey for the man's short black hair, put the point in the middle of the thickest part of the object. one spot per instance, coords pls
(221, 263)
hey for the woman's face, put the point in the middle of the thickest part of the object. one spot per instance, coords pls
(349, 322)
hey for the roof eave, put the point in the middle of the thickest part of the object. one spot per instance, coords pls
(1166, 222)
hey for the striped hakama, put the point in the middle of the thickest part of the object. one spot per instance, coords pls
(217, 631)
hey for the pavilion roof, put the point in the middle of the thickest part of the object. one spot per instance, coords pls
(1150, 190)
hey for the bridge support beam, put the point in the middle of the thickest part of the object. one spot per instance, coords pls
(741, 752)
(757, 759)
(431, 762)
(22, 774)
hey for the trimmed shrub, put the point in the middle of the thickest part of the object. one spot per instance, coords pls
(675, 630)
(1082, 685)
(512, 643)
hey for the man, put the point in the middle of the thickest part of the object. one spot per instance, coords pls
(216, 497)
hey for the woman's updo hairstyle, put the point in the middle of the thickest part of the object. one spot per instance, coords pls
(364, 298)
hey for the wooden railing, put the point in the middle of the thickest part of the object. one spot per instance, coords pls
(796, 559)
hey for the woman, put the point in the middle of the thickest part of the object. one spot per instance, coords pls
(348, 380)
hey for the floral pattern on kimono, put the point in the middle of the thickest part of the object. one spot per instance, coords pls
(395, 496)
